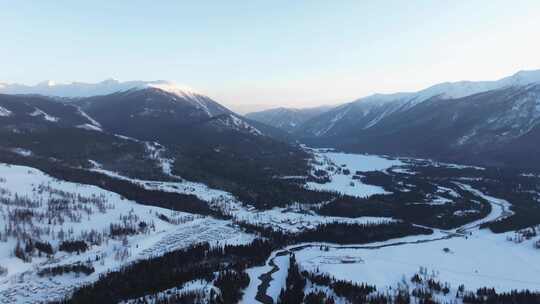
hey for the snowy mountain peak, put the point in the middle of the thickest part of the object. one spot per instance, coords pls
(522, 78)
(367, 112)
(172, 88)
(47, 83)
(458, 89)
(81, 89)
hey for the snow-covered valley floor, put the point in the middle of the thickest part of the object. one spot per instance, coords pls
(468, 256)
(36, 206)
(343, 167)
(33, 204)
(482, 259)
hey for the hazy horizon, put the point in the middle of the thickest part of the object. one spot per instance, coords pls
(237, 107)
(263, 55)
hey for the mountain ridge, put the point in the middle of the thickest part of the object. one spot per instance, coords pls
(483, 128)
(83, 89)
(287, 119)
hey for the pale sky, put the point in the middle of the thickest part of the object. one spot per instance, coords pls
(286, 53)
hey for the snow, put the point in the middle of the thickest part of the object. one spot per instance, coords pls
(239, 124)
(343, 111)
(507, 266)
(90, 127)
(81, 89)
(353, 162)
(363, 162)
(22, 152)
(430, 163)
(195, 285)
(183, 187)
(405, 100)
(311, 287)
(171, 87)
(452, 90)
(290, 220)
(251, 291)
(476, 258)
(465, 138)
(126, 138)
(92, 121)
(483, 259)
(182, 230)
(439, 199)
(448, 191)
(47, 117)
(293, 219)
(500, 208)
(377, 119)
(181, 91)
(216, 232)
(156, 152)
(255, 272)
(4, 112)
(278, 278)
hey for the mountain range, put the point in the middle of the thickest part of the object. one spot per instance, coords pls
(139, 128)
(491, 123)
(287, 119)
(488, 123)
(150, 192)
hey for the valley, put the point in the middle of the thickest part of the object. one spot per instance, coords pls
(270, 152)
(146, 232)
(152, 193)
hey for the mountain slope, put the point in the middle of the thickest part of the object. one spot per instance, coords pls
(466, 122)
(155, 130)
(82, 89)
(208, 142)
(54, 132)
(368, 111)
(287, 119)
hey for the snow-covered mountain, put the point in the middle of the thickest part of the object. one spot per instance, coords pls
(372, 109)
(151, 112)
(202, 139)
(181, 102)
(99, 201)
(38, 112)
(287, 119)
(82, 89)
(463, 121)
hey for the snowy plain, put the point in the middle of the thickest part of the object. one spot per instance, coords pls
(483, 259)
(183, 230)
(467, 255)
(343, 182)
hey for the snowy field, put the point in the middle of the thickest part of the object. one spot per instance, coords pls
(342, 167)
(70, 211)
(481, 260)
(93, 210)
(295, 218)
(466, 255)
(201, 286)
